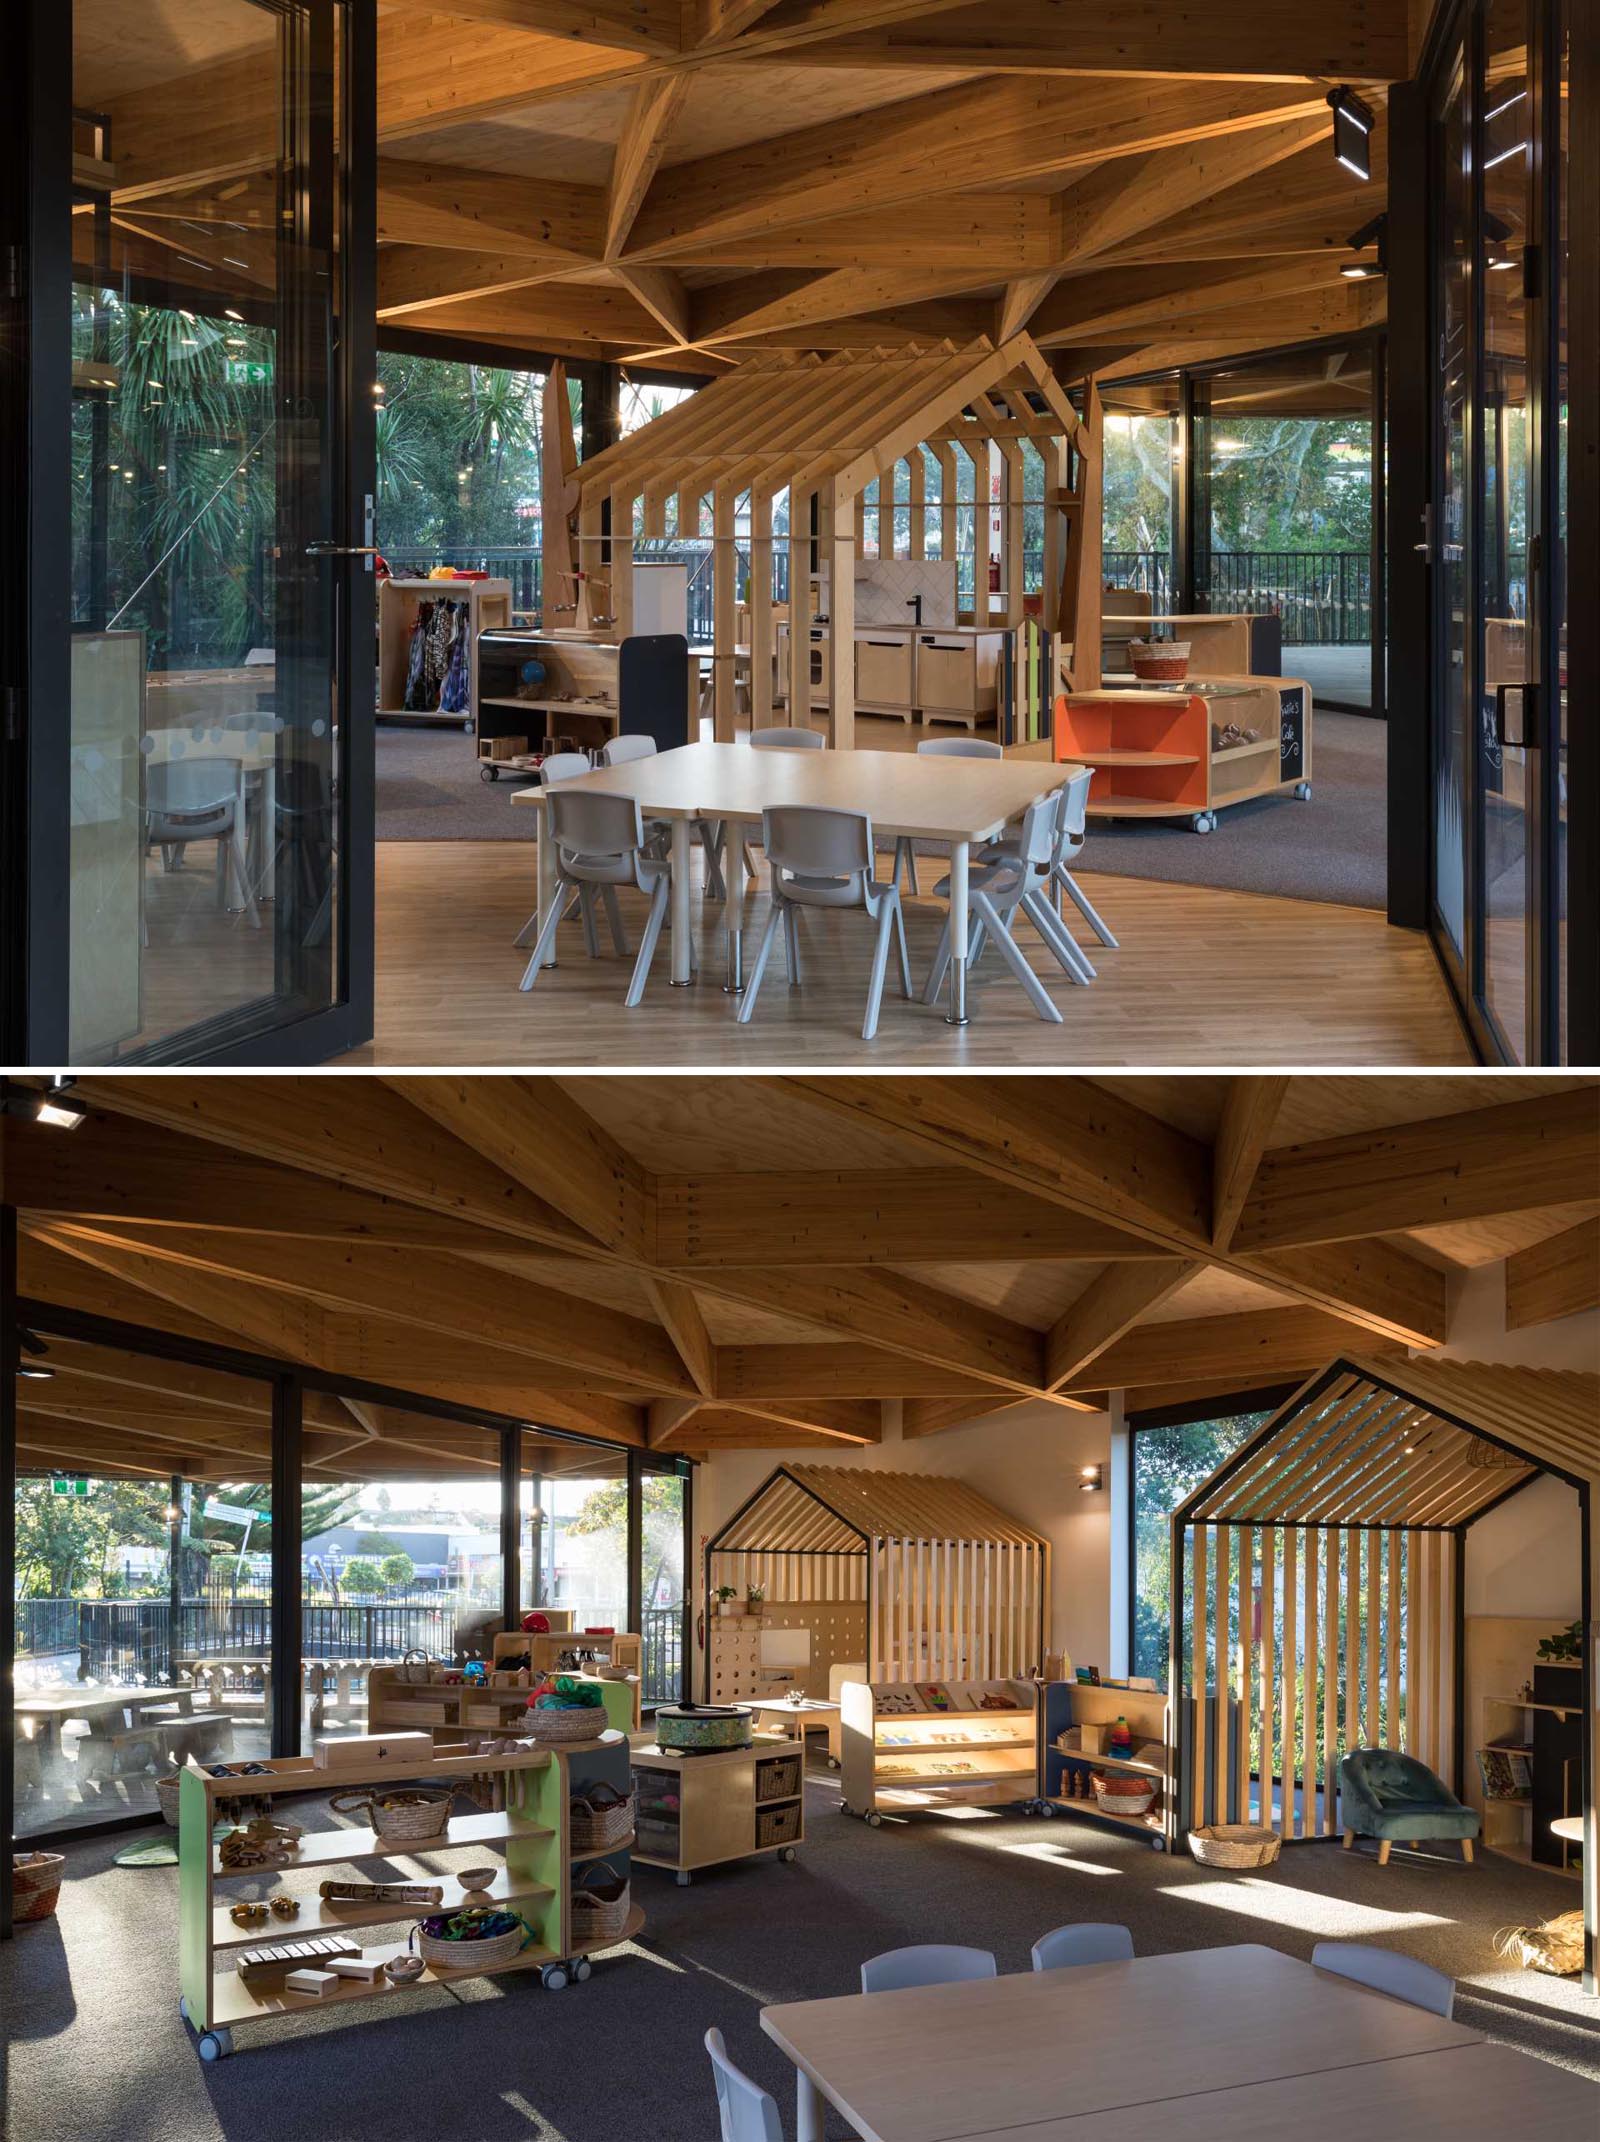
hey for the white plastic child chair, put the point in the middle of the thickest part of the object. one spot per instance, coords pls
(1089, 1943)
(824, 858)
(749, 2113)
(938, 747)
(931, 1964)
(600, 842)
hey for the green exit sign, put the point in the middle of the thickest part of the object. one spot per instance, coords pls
(70, 1484)
(248, 372)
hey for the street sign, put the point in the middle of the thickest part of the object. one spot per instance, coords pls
(248, 372)
(233, 1513)
(69, 1484)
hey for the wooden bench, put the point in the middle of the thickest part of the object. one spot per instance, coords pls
(202, 1734)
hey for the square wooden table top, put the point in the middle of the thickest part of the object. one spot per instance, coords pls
(934, 798)
(938, 2063)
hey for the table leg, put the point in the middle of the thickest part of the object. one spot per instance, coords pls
(808, 2113)
(733, 885)
(682, 836)
(546, 866)
(957, 1014)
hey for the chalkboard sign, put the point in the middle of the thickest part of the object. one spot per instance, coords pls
(1292, 734)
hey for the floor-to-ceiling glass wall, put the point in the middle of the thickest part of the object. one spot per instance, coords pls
(1498, 149)
(197, 594)
(143, 1543)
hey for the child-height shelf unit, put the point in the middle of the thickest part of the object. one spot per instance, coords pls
(1189, 750)
(399, 602)
(531, 1829)
(444, 1704)
(917, 1745)
(1337, 1535)
(1075, 1723)
(589, 689)
(704, 1810)
(913, 1577)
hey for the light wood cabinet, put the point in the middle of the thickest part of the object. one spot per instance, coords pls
(957, 675)
(884, 671)
(704, 1810)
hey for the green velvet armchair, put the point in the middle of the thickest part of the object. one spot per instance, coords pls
(1386, 1795)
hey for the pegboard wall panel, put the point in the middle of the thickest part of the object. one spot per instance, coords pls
(838, 1630)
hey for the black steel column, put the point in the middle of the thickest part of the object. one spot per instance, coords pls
(9, 1362)
(635, 1618)
(286, 1656)
(1581, 612)
(1458, 1670)
(1408, 377)
(511, 1527)
(174, 1572)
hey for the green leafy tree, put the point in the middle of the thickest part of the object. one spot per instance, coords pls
(362, 1576)
(69, 1546)
(1168, 1465)
(323, 1506)
(605, 1509)
(397, 1571)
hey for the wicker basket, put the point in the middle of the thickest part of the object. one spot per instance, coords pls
(420, 1814)
(167, 1797)
(777, 1825)
(415, 1667)
(1235, 1844)
(477, 1953)
(601, 1901)
(36, 1883)
(778, 1780)
(1556, 1946)
(602, 1829)
(585, 1724)
(1115, 1798)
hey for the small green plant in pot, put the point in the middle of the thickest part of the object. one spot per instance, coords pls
(728, 1600)
(1565, 1648)
(756, 1597)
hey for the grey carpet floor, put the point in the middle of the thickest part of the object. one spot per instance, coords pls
(98, 2052)
(1333, 848)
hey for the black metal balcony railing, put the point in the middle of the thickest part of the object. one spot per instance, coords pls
(1323, 597)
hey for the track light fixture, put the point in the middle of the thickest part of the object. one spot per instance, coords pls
(32, 1345)
(1353, 122)
(51, 1103)
(1375, 234)
(1090, 1479)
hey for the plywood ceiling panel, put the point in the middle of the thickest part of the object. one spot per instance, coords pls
(688, 1126)
(1330, 1108)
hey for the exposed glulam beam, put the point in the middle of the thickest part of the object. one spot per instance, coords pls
(1557, 1277)
(1108, 1308)
(478, 212)
(651, 117)
(685, 1326)
(1248, 1114)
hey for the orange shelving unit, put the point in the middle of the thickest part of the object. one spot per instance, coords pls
(1153, 754)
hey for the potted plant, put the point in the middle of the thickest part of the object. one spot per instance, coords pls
(728, 1600)
(756, 1597)
(1565, 1648)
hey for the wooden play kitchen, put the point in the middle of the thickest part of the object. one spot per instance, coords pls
(832, 432)
(706, 1806)
(566, 1899)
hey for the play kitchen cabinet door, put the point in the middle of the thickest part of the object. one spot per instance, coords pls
(956, 673)
(819, 666)
(883, 671)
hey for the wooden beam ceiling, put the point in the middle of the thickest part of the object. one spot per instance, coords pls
(509, 1246)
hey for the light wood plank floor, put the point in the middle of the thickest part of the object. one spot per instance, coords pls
(1201, 978)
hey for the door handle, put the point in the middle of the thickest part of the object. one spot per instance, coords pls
(327, 547)
(1526, 741)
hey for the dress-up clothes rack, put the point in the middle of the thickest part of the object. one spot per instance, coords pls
(428, 647)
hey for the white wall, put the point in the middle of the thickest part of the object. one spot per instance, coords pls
(1522, 1559)
(1027, 1462)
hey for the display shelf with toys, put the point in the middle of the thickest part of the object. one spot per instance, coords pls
(1105, 1751)
(704, 1809)
(295, 1949)
(454, 1701)
(927, 1744)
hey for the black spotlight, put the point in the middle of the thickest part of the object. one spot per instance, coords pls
(51, 1103)
(31, 1344)
(1353, 122)
(1375, 234)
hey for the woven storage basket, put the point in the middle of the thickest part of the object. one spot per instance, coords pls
(778, 1780)
(167, 1797)
(408, 1817)
(586, 1724)
(597, 1916)
(1556, 1946)
(474, 1955)
(603, 1830)
(777, 1825)
(1123, 1802)
(1235, 1844)
(36, 1884)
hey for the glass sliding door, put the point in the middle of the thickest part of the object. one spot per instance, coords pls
(198, 844)
(1498, 523)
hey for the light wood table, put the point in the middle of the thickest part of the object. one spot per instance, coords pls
(1421, 2097)
(795, 1717)
(1033, 2048)
(956, 802)
(50, 1709)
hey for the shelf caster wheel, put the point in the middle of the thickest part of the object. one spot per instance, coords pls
(488, 773)
(1203, 822)
(553, 1977)
(1158, 1844)
(467, 726)
(787, 1855)
(216, 2044)
(183, 2006)
(874, 1819)
(845, 1808)
(683, 1877)
(582, 1970)
(833, 1762)
(1302, 792)
(1049, 1810)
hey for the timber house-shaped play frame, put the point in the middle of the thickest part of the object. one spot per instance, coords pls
(921, 1577)
(825, 429)
(1359, 1492)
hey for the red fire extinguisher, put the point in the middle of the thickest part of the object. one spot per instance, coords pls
(994, 572)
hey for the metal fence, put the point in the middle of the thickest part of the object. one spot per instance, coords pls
(1324, 597)
(135, 1639)
(661, 1677)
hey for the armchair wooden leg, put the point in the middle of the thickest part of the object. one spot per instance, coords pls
(1383, 1851)
(1466, 1850)
(1349, 1839)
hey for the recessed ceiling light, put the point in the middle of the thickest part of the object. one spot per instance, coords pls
(56, 1106)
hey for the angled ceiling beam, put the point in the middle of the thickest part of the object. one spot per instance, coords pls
(662, 294)
(1557, 1277)
(1513, 1158)
(679, 1312)
(411, 278)
(847, 1368)
(1108, 1308)
(652, 27)
(1248, 1114)
(538, 1134)
(637, 157)
(1020, 300)
(1253, 1347)
(425, 204)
